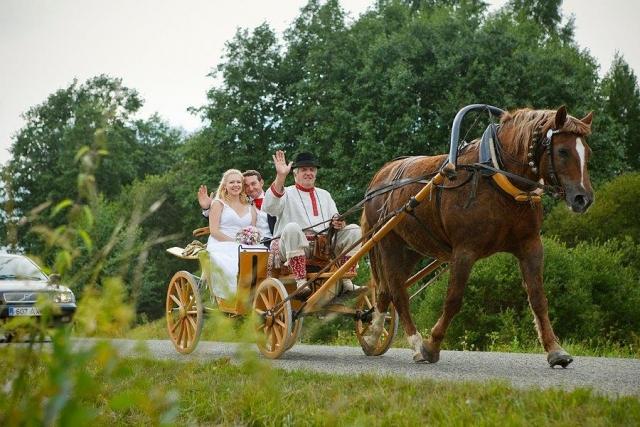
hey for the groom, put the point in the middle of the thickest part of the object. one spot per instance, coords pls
(253, 187)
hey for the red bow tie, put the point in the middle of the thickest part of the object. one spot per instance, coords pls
(258, 203)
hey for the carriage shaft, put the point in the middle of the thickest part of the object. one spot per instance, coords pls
(423, 273)
(320, 297)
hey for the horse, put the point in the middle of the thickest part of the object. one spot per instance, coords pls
(468, 217)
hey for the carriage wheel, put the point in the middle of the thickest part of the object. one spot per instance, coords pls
(389, 329)
(184, 312)
(273, 326)
(297, 327)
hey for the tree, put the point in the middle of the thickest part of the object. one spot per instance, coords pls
(621, 97)
(388, 85)
(244, 114)
(44, 149)
(98, 114)
(545, 13)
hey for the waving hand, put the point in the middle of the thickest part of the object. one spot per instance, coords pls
(280, 162)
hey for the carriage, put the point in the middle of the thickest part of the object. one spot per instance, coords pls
(482, 198)
(271, 295)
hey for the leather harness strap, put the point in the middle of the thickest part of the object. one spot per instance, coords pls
(396, 182)
(489, 152)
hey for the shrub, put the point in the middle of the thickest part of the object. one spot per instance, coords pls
(613, 214)
(591, 294)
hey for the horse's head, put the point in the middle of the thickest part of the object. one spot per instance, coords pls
(566, 158)
(552, 146)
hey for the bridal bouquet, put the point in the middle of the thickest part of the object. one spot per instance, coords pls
(248, 236)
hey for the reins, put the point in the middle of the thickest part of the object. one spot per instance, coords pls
(424, 179)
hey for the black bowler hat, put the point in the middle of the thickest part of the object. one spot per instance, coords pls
(305, 159)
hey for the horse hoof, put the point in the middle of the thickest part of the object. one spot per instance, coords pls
(559, 357)
(426, 356)
(419, 358)
(431, 354)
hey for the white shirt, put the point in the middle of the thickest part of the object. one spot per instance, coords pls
(262, 223)
(302, 206)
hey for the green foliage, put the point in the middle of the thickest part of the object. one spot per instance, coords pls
(162, 223)
(61, 386)
(545, 13)
(67, 386)
(593, 297)
(621, 96)
(99, 114)
(611, 216)
(386, 86)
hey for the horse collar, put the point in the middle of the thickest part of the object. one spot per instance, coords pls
(490, 154)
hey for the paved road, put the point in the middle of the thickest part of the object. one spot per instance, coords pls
(610, 376)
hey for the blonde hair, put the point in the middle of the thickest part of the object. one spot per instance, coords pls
(222, 193)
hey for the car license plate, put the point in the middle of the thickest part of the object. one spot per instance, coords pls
(23, 311)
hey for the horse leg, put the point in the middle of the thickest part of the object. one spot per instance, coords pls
(531, 264)
(460, 268)
(400, 299)
(378, 316)
(391, 266)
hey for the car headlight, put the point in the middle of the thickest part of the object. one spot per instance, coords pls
(64, 297)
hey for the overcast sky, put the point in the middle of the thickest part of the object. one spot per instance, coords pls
(166, 48)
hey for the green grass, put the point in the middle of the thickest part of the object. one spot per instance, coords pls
(146, 392)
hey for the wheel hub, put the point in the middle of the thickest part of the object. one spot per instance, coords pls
(269, 319)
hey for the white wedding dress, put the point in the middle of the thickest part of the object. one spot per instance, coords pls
(224, 255)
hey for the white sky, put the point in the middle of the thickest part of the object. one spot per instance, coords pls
(165, 49)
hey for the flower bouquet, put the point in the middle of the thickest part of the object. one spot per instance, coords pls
(248, 236)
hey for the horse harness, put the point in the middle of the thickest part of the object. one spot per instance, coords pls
(490, 164)
(397, 182)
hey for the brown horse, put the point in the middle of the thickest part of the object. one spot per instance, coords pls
(470, 218)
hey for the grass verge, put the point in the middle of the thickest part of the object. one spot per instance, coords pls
(141, 391)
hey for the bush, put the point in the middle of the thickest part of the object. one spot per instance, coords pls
(613, 214)
(592, 295)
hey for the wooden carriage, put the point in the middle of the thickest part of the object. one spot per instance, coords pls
(280, 315)
(273, 297)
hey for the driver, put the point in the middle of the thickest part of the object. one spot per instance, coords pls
(301, 206)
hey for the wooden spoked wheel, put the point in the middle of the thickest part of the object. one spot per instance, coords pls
(274, 318)
(389, 330)
(184, 312)
(297, 327)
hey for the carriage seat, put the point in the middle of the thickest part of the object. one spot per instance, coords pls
(315, 263)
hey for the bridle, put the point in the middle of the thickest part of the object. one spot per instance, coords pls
(555, 188)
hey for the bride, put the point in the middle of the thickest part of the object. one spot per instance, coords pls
(230, 212)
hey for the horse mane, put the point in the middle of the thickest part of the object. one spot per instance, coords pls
(518, 128)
